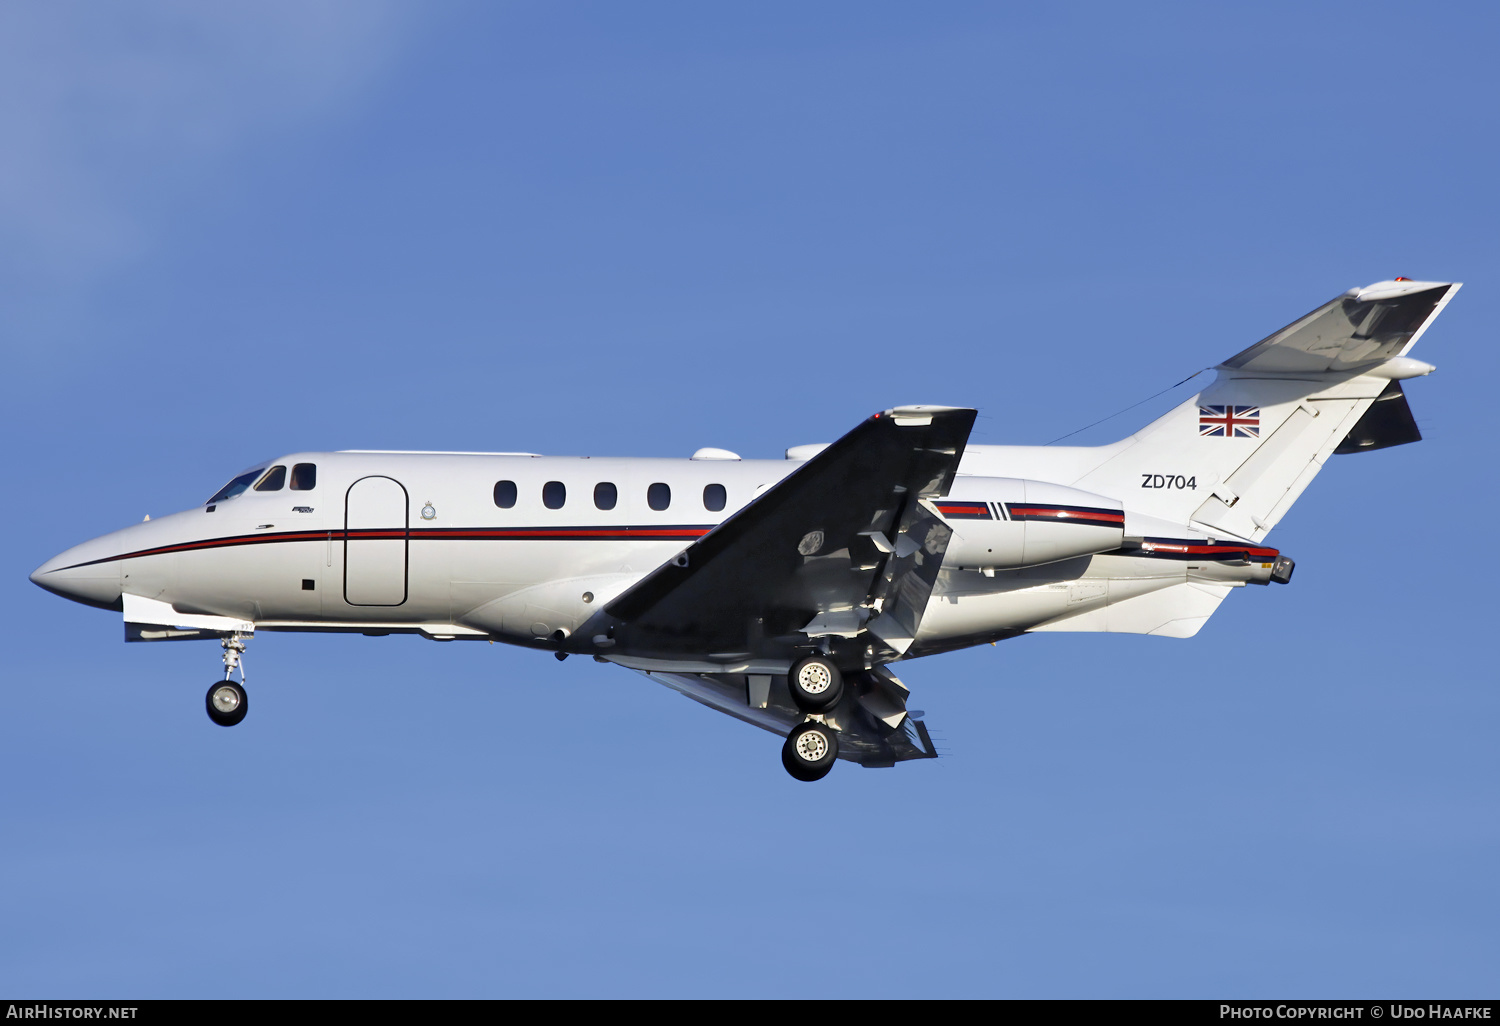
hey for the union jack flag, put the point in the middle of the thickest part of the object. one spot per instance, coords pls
(1229, 421)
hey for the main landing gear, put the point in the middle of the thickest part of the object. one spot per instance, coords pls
(812, 747)
(227, 701)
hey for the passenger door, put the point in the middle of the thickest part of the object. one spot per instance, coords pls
(375, 539)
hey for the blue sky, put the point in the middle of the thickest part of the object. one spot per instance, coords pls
(640, 229)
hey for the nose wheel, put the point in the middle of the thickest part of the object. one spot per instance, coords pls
(810, 751)
(228, 702)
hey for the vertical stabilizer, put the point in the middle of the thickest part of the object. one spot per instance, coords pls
(1232, 459)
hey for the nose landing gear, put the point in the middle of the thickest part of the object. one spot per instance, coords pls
(228, 702)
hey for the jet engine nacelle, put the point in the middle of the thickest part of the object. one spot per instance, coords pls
(1001, 523)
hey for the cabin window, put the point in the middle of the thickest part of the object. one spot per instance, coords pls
(505, 494)
(606, 495)
(236, 486)
(659, 496)
(274, 480)
(554, 494)
(714, 497)
(304, 477)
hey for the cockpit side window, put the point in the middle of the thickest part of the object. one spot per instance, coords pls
(304, 477)
(274, 480)
(236, 486)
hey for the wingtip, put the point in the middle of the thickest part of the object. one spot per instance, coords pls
(925, 410)
(1394, 288)
(922, 415)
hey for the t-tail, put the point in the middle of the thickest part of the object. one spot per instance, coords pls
(1199, 489)
(1230, 461)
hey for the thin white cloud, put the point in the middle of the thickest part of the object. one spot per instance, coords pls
(101, 103)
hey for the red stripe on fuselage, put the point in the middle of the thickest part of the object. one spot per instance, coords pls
(588, 533)
(1067, 514)
(419, 534)
(1217, 551)
(965, 509)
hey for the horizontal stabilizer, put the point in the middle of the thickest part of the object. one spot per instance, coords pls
(1360, 329)
(1387, 422)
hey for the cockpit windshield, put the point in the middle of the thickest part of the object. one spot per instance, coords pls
(239, 484)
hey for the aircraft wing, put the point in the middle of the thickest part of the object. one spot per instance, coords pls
(845, 546)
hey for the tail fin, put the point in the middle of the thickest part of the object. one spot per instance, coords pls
(1233, 459)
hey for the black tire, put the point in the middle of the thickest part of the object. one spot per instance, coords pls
(794, 756)
(229, 717)
(816, 684)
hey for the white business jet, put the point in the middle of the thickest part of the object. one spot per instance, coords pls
(782, 592)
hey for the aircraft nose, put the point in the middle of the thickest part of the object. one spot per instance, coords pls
(85, 573)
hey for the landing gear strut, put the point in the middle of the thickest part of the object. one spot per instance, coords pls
(810, 751)
(227, 702)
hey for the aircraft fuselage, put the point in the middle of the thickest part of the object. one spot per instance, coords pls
(420, 542)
